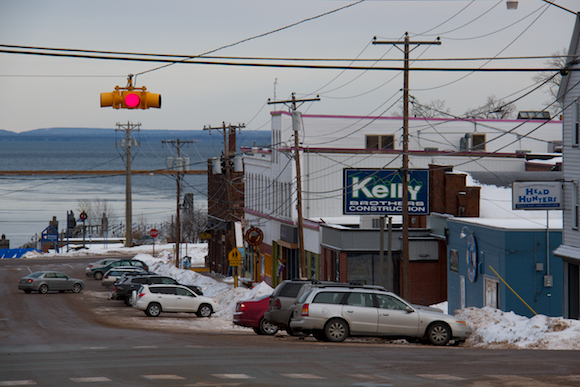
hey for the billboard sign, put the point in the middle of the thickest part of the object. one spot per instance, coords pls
(380, 192)
(537, 195)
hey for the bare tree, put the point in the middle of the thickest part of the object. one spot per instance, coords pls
(434, 109)
(97, 210)
(494, 108)
(558, 61)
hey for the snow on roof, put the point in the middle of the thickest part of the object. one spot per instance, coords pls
(496, 210)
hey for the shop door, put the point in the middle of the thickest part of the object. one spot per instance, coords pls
(491, 293)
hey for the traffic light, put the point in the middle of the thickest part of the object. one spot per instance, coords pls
(131, 98)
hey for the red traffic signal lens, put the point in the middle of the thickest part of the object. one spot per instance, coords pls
(132, 100)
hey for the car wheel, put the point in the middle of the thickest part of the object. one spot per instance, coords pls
(128, 300)
(98, 275)
(77, 288)
(204, 311)
(319, 335)
(257, 330)
(336, 330)
(153, 310)
(43, 289)
(439, 333)
(267, 328)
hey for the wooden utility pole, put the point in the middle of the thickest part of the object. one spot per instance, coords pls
(405, 169)
(229, 132)
(126, 142)
(296, 124)
(178, 171)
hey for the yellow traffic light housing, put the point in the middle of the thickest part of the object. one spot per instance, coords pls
(131, 97)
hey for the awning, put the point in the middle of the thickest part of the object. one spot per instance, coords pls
(568, 252)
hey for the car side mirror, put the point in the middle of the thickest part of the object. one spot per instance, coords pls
(409, 309)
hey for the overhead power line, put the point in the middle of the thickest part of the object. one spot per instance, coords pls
(278, 65)
(260, 58)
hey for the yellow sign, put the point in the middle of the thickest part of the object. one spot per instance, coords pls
(234, 255)
(235, 263)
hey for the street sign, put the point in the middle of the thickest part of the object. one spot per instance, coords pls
(83, 215)
(235, 263)
(234, 255)
(153, 233)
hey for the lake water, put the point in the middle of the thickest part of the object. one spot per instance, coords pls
(28, 203)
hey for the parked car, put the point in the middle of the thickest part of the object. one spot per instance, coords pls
(148, 240)
(98, 272)
(101, 263)
(45, 281)
(154, 299)
(114, 274)
(333, 313)
(123, 289)
(250, 313)
(282, 301)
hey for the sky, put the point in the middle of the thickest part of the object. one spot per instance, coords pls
(44, 91)
(492, 328)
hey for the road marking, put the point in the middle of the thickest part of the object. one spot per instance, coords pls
(163, 377)
(145, 346)
(233, 376)
(91, 379)
(446, 377)
(18, 383)
(303, 376)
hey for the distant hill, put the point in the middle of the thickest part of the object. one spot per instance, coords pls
(260, 138)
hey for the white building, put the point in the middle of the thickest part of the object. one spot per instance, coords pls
(569, 251)
(329, 144)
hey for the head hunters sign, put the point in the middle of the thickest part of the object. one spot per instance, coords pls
(380, 192)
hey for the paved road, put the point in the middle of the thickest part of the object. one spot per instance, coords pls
(84, 339)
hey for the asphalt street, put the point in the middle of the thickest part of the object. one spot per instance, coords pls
(66, 339)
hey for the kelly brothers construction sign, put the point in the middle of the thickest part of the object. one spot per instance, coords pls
(380, 192)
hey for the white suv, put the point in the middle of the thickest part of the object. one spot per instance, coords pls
(332, 313)
(154, 299)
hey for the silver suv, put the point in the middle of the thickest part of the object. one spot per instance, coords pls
(333, 313)
(154, 299)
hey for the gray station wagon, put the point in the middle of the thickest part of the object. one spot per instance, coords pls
(335, 313)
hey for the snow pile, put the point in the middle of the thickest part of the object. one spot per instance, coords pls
(494, 328)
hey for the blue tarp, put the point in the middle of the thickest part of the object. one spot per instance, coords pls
(14, 253)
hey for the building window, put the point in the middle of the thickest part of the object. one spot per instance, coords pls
(478, 142)
(576, 208)
(380, 141)
(576, 124)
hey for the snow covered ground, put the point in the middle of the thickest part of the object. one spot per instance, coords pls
(492, 328)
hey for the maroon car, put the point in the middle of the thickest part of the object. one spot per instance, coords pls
(251, 314)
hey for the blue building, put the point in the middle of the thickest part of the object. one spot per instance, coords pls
(505, 264)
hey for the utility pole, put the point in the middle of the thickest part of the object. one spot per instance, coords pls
(229, 132)
(126, 142)
(405, 169)
(296, 124)
(178, 170)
